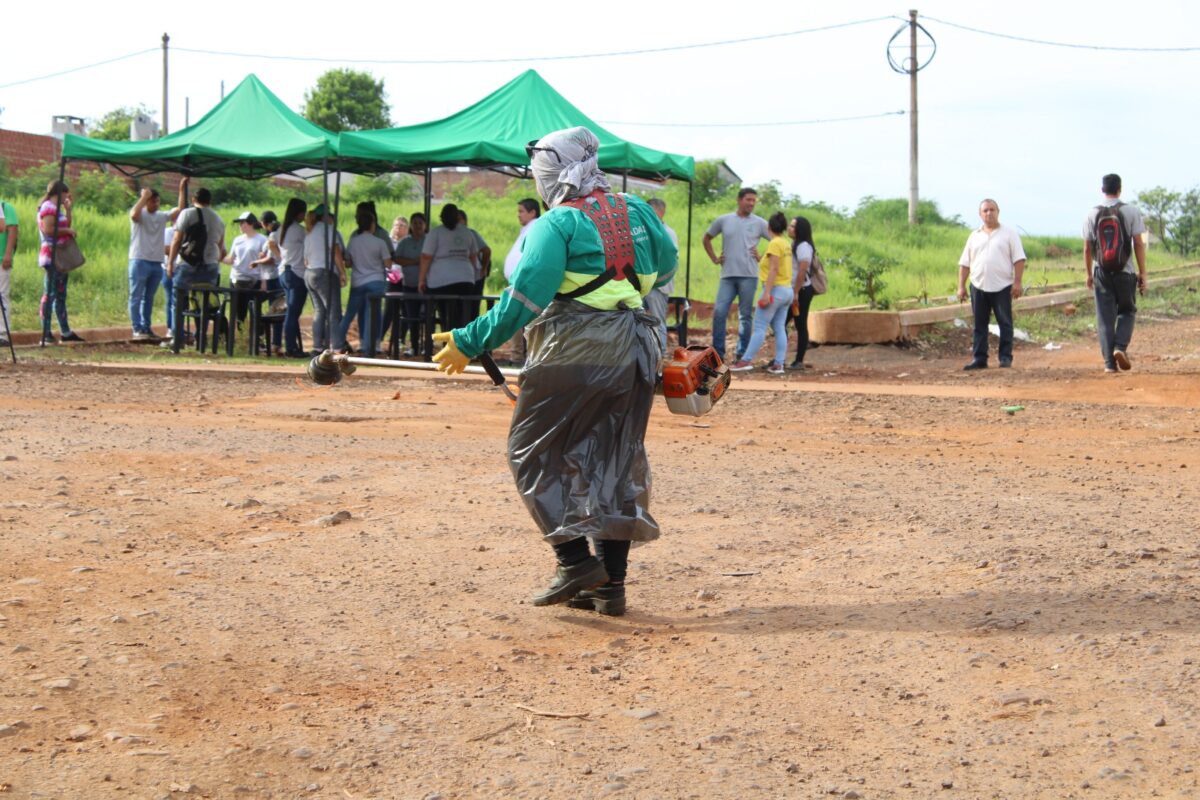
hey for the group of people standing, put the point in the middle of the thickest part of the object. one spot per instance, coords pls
(303, 258)
(782, 272)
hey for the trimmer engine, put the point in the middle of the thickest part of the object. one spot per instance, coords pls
(693, 380)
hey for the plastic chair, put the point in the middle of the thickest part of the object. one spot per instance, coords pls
(207, 303)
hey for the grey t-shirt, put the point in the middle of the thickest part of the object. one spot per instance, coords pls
(451, 251)
(146, 236)
(479, 245)
(406, 248)
(668, 288)
(216, 230)
(1131, 215)
(316, 252)
(739, 238)
(368, 258)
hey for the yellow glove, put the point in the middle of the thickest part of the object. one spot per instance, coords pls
(450, 359)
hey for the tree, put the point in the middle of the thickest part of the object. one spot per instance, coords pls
(1161, 207)
(707, 185)
(347, 100)
(866, 277)
(1184, 227)
(114, 126)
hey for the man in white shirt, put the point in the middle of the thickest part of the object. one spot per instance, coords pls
(995, 261)
(527, 211)
(146, 226)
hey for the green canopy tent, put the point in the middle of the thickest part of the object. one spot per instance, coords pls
(250, 134)
(493, 132)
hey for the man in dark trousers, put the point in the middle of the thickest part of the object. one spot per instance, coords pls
(994, 260)
(1116, 290)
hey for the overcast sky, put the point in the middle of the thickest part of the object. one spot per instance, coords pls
(1031, 125)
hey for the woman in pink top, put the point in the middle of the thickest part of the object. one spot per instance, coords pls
(48, 211)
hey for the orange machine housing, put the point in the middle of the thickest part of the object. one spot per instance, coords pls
(694, 380)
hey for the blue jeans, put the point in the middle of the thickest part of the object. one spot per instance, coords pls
(185, 276)
(984, 304)
(144, 277)
(297, 294)
(775, 317)
(168, 284)
(728, 288)
(1116, 307)
(358, 304)
(58, 301)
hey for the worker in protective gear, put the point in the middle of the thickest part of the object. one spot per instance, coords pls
(576, 446)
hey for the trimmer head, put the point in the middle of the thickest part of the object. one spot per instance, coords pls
(327, 369)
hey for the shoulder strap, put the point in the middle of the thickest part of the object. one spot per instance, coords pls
(612, 223)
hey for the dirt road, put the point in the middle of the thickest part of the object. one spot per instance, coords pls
(873, 583)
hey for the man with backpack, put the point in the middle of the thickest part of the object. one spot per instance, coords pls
(196, 252)
(1112, 237)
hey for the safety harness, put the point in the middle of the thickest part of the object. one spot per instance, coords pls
(612, 223)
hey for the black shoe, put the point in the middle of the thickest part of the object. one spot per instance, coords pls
(1005, 363)
(48, 340)
(975, 365)
(570, 581)
(797, 365)
(72, 337)
(608, 599)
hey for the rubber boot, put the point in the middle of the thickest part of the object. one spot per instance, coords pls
(570, 580)
(608, 599)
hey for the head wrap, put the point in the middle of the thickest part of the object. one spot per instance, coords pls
(564, 165)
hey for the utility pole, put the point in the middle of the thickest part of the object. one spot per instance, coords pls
(912, 118)
(165, 129)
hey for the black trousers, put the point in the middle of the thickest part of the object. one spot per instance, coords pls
(803, 302)
(986, 304)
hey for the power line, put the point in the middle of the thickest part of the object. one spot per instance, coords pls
(1065, 44)
(751, 124)
(78, 69)
(525, 59)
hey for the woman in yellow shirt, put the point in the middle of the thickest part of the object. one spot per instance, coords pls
(775, 272)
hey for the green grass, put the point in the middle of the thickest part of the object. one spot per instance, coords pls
(1052, 325)
(927, 256)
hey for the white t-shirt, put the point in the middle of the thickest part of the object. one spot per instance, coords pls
(514, 255)
(991, 256)
(803, 253)
(292, 248)
(145, 236)
(270, 269)
(244, 250)
(168, 235)
(453, 254)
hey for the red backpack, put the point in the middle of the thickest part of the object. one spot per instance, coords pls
(1111, 242)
